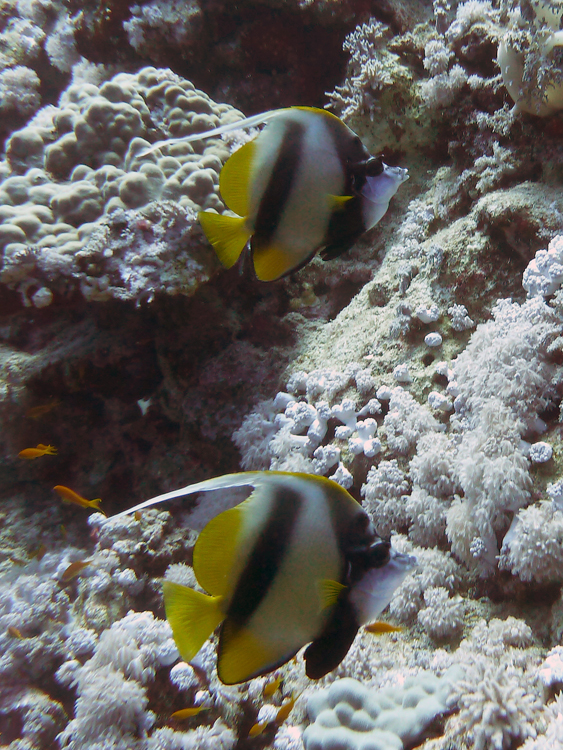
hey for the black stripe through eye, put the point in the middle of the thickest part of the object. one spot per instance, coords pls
(266, 557)
(279, 186)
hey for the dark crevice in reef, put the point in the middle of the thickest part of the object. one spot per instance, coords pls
(252, 56)
(201, 362)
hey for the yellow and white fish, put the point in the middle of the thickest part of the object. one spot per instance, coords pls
(297, 562)
(305, 184)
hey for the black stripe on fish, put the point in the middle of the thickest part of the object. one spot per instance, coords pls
(327, 650)
(351, 153)
(277, 192)
(347, 225)
(267, 556)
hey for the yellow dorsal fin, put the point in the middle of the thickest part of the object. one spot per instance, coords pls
(329, 592)
(241, 655)
(227, 234)
(318, 111)
(215, 550)
(338, 202)
(235, 178)
(193, 616)
(272, 262)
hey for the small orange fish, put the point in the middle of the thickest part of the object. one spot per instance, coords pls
(138, 515)
(271, 687)
(74, 569)
(36, 412)
(41, 450)
(186, 713)
(14, 632)
(70, 496)
(377, 628)
(285, 709)
(257, 729)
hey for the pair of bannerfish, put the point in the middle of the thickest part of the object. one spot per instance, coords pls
(305, 184)
(298, 562)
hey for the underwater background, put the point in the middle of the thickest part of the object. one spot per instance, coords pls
(422, 370)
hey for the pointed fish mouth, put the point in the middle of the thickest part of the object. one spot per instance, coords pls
(381, 188)
(374, 590)
(402, 562)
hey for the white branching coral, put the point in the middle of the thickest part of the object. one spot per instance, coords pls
(544, 273)
(503, 378)
(442, 617)
(435, 569)
(530, 59)
(496, 707)
(171, 22)
(432, 467)
(371, 69)
(533, 547)
(492, 638)
(406, 421)
(553, 737)
(254, 435)
(427, 518)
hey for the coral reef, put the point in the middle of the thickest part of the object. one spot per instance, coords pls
(350, 716)
(82, 207)
(423, 370)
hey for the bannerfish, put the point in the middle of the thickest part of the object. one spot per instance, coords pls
(298, 562)
(305, 184)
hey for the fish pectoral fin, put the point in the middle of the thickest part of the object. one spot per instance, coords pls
(235, 178)
(337, 202)
(193, 616)
(242, 655)
(329, 591)
(271, 262)
(227, 234)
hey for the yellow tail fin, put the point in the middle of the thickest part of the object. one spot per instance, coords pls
(227, 234)
(193, 616)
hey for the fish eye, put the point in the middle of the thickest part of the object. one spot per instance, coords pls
(379, 553)
(374, 166)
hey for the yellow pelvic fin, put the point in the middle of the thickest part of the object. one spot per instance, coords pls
(377, 628)
(329, 592)
(235, 178)
(227, 234)
(241, 655)
(193, 616)
(272, 262)
(215, 549)
(337, 202)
